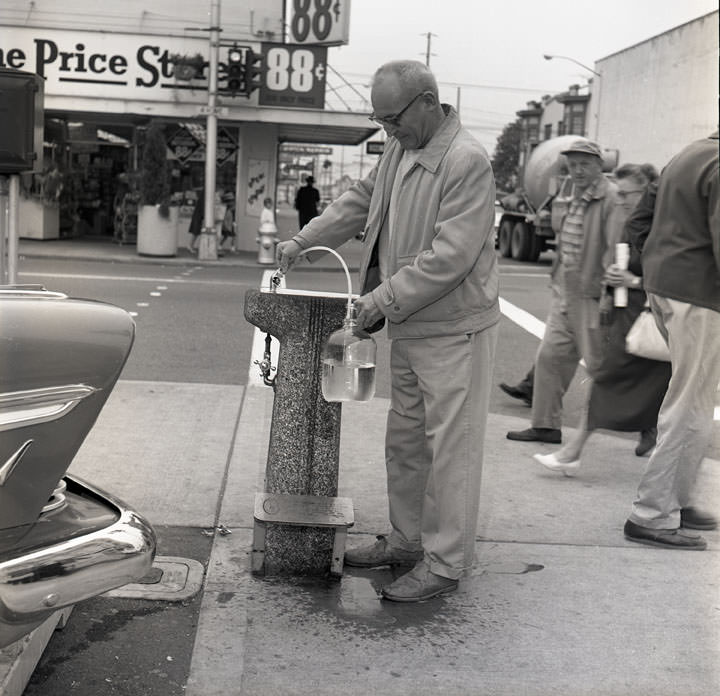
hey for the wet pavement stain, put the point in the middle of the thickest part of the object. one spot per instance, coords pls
(511, 568)
(353, 609)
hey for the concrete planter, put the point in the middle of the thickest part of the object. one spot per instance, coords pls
(156, 235)
(38, 220)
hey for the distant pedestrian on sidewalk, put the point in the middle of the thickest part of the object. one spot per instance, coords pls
(429, 269)
(306, 202)
(681, 263)
(227, 230)
(267, 214)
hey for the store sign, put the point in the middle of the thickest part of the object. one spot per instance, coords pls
(104, 65)
(306, 150)
(183, 145)
(294, 76)
(318, 21)
(186, 146)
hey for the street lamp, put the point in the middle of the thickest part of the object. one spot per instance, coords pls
(548, 56)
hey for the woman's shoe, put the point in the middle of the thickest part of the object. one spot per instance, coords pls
(550, 461)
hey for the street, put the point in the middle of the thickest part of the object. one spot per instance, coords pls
(190, 363)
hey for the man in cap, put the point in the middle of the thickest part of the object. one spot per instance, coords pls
(573, 322)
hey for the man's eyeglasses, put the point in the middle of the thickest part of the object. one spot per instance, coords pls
(394, 119)
(624, 194)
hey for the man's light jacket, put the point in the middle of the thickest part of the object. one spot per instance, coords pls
(442, 266)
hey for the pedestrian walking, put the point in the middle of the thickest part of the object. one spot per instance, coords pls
(306, 202)
(429, 270)
(573, 321)
(681, 263)
(626, 390)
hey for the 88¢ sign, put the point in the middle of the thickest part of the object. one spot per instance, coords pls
(318, 21)
(294, 76)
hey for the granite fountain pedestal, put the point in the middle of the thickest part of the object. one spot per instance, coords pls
(301, 474)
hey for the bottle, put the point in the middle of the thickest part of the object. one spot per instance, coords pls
(348, 364)
(622, 257)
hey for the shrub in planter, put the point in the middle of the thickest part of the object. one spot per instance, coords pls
(155, 172)
(157, 228)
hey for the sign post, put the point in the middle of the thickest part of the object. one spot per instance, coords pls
(207, 247)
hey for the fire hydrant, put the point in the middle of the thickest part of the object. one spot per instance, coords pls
(267, 239)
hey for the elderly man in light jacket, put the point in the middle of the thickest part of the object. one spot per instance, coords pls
(429, 269)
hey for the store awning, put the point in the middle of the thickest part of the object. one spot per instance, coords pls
(294, 125)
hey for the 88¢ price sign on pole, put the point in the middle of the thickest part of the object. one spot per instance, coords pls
(294, 76)
(318, 21)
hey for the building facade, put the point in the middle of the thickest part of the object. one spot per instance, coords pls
(655, 97)
(111, 71)
(646, 102)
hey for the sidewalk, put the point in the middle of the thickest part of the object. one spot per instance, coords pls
(105, 249)
(558, 603)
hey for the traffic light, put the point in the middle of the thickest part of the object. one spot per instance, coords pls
(254, 71)
(235, 72)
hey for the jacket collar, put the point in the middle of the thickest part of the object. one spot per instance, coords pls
(432, 154)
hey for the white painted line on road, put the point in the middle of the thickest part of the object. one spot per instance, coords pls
(258, 344)
(161, 287)
(155, 294)
(533, 325)
(522, 318)
(142, 304)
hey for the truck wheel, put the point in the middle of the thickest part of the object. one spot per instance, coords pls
(521, 242)
(504, 238)
(535, 248)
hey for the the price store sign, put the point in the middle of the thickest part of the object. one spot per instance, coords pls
(294, 76)
(318, 21)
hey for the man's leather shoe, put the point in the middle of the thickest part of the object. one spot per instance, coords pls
(692, 518)
(517, 392)
(550, 435)
(647, 442)
(664, 538)
(419, 584)
(381, 554)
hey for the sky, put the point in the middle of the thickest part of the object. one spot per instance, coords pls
(493, 50)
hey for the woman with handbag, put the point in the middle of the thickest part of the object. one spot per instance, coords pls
(627, 390)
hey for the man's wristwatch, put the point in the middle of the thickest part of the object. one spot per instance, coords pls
(636, 283)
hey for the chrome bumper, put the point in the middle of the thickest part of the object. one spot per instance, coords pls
(37, 583)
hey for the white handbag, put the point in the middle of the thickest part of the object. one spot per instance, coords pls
(645, 340)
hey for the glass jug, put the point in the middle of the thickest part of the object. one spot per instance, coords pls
(348, 364)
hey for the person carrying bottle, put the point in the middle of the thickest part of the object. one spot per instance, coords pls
(429, 270)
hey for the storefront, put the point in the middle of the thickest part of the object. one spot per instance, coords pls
(102, 91)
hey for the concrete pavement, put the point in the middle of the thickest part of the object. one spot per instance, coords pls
(558, 603)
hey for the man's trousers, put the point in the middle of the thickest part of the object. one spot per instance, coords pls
(434, 444)
(685, 420)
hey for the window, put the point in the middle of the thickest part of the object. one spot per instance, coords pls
(561, 128)
(548, 131)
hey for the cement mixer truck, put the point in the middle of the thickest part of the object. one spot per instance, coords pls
(532, 214)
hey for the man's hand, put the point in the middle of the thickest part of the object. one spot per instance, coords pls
(616, 277)
(366, 311)
(286, 254)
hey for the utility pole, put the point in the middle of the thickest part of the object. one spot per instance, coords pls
(429, 36)
(207, 247)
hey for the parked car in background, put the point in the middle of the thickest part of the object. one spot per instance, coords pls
(62, 540)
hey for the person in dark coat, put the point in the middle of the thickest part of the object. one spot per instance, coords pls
(306, 202)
